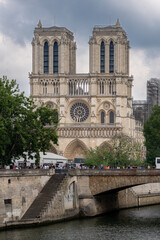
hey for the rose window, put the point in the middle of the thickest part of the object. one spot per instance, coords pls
(79, 112)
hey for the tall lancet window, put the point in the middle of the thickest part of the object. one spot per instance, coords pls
(111, 57)
(46, 58)
(111, 117)
(102, 58)
(55, 58)
(102, 117)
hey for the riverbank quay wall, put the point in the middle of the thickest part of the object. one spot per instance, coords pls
(18, 189)
(84, 192)
(143, 195)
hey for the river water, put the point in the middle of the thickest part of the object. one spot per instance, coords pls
(128, 224)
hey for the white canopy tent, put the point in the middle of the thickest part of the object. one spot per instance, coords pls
(47, 158)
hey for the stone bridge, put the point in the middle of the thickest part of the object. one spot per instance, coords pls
(98, 189)
(100, 181)
(37, 196)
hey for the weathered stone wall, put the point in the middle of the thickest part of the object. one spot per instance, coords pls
(90, 205)
(148, 199)
(127, 198)
(146, 188)
(18, 189)
(86, 200)
(142, 195)
(65, 203)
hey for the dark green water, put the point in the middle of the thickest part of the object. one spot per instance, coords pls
(139, 224)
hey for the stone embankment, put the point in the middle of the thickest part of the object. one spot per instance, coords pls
(39, 196)
(139, 196)
(35, 197)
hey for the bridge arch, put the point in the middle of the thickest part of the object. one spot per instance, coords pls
(109, 181)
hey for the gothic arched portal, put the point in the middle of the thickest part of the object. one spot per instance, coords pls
(105, 145)
(75, 149)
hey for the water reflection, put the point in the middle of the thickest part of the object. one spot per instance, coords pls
(139, 224)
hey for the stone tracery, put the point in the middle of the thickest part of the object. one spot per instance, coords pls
(78, 87)
(79, 112)
(50, 86)
(106, 86)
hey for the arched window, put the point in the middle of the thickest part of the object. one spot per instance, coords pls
(55, 58)
(102, 117)
(102, 58)
(46, 58)
(111, 117)
(111, 57)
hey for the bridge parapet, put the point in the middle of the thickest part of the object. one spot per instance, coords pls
(114, 172)
(26, 172)
(102, 181)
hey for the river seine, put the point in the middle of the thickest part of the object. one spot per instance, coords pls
(139, 224)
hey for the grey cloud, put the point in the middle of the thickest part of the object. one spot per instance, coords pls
(19, 18)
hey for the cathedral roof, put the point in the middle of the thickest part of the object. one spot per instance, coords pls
(112, 28)
(54, 29)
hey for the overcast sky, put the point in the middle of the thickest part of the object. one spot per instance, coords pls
(139, 18)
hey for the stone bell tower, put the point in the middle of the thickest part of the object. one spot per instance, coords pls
(53, 51)
(109, 50)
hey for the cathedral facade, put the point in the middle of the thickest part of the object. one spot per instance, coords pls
(92, 107)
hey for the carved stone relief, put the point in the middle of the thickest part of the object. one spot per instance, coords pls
(106, 105)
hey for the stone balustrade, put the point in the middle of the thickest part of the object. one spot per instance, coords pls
(86, 132)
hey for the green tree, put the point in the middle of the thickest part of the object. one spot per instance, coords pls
(127, 151)
(23, 126)
(102, 155)
(121, 150)
(151, 133)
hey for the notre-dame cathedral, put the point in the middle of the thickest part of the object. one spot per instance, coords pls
(92, 107)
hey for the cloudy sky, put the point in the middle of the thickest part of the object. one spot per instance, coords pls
(139, 18)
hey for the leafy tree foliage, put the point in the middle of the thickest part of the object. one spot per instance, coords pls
(127, 151)
(23, 126)
(121, 151)
(151, 133)
(100, 155)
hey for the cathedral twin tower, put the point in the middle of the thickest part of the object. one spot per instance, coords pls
(92, 107)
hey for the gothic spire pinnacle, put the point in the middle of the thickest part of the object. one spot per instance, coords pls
(39, 24)
(118, 23)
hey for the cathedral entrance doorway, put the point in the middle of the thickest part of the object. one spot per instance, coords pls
(75, 149)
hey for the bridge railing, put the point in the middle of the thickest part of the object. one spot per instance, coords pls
(115, 172)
